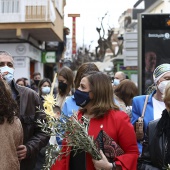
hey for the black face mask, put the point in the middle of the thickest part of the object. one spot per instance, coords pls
(36, 82)
(62, 86)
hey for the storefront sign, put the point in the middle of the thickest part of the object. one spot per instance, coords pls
(20, 61)
(129, 68)
(48, 57)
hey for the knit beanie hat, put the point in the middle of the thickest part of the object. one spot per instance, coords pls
(160, 71)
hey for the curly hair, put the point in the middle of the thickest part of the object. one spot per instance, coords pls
(8, 106)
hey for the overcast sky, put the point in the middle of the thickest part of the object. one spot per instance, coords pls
(91, 13)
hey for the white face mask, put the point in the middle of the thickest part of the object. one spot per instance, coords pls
(10, 75)
(162, 85)
(46, 90)
(116, 82)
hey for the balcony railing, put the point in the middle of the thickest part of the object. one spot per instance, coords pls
(27, 11)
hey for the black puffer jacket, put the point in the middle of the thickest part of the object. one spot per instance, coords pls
(34, 139)
(154, 147)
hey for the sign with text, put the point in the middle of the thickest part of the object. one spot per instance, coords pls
(48, 57)
(19, 61)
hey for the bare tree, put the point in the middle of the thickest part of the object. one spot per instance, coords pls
(105, 43)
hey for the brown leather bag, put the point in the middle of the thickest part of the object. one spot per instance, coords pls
(139, 124)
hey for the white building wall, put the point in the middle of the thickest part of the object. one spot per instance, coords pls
(158, 9)
(163, 7)
(130, 52)
(22, 67)
(39, 67)
(166, 6)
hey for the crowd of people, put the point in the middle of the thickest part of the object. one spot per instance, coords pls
(110, 106)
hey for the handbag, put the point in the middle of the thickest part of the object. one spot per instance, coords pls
(139, 124)
(109, 147)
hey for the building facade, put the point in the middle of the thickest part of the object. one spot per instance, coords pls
(25, 27)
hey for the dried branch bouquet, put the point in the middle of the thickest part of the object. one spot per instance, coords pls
(75, 134)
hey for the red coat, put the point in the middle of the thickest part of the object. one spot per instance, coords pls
(117, 125)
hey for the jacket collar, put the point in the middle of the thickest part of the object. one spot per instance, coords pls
(150, 96)
(14, 89)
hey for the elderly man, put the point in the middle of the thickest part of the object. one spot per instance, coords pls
(119, 76)
(28, 101)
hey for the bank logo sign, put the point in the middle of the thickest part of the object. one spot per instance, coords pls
(48, 57)
(164, 36)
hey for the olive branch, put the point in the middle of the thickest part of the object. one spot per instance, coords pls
(73, 131)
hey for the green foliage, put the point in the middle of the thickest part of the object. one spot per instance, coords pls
(73, 131)
(51, 155)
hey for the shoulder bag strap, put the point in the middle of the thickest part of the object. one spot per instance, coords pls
(144, 107)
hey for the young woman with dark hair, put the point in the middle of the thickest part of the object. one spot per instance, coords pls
(65, 84)
(44, 88)
(21, 82)
(11, 133)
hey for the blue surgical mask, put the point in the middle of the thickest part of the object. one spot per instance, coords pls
(116, 82)
(8, 77)
(81, 98)
(46, 90)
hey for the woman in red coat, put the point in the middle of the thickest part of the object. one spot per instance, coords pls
(95, 97)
